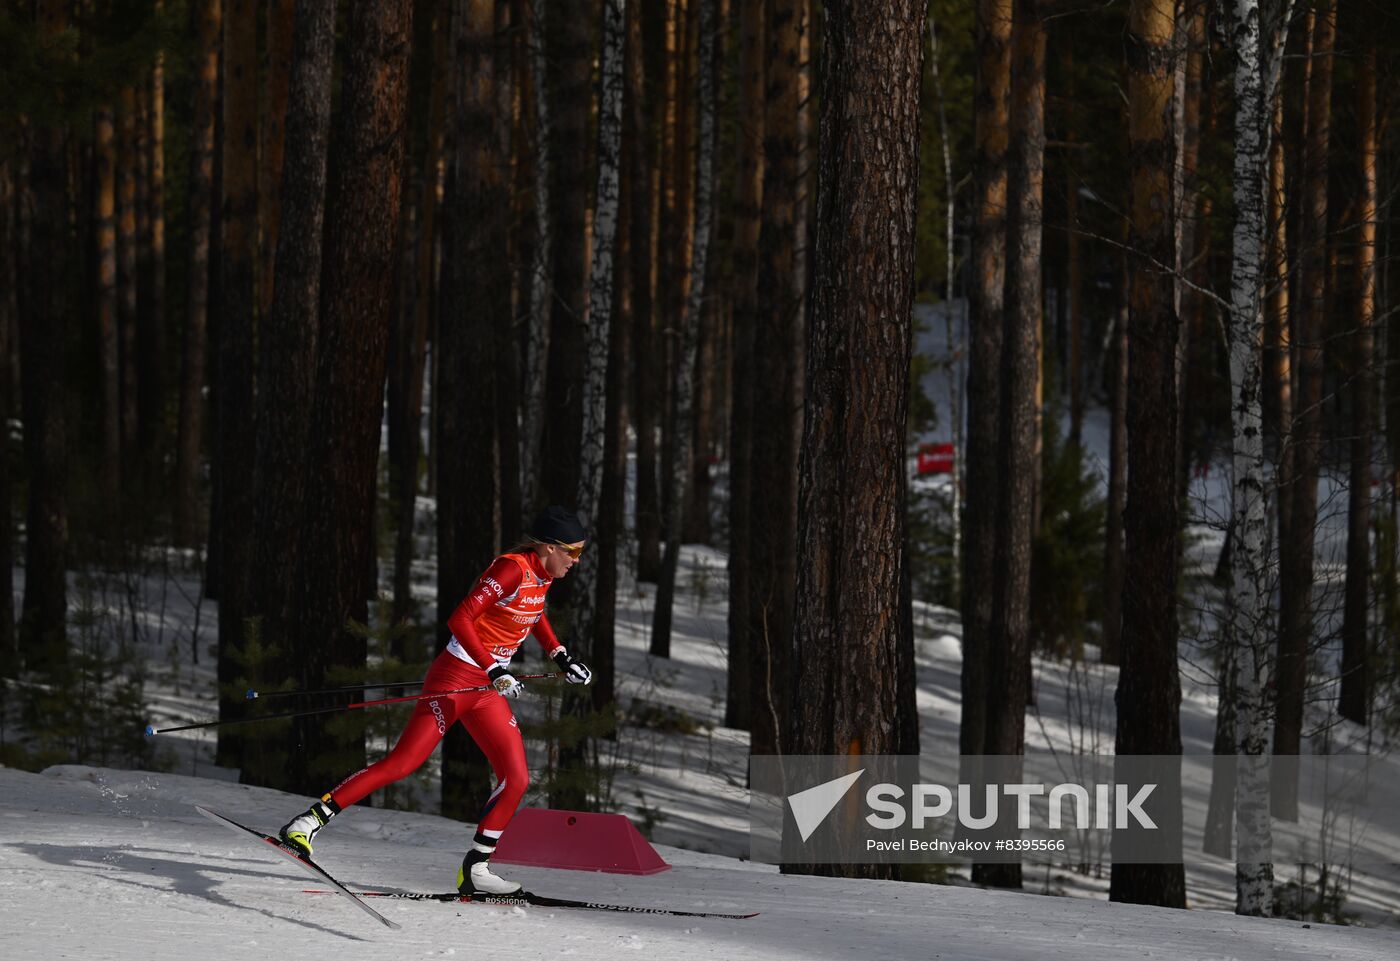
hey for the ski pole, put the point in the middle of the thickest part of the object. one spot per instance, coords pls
(152, 730)
(253, 693)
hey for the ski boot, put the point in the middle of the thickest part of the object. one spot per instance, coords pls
(301, 830)
(475, 877)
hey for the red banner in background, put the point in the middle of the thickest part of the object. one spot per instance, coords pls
(935, 459)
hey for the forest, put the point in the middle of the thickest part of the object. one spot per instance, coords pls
(298, 294)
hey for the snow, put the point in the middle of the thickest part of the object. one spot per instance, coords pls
(101, 863)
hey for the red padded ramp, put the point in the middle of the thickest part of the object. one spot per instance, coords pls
(577, 841)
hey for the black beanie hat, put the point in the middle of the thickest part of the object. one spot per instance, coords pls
(557, 525)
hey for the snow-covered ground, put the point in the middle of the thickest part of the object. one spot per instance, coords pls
(103, 863)
(106, 864)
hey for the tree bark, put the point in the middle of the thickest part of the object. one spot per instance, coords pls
(1009, 643)
(208, 17)
(126, 160)
(155, 346)
(573, 51)
(986, 293)
(432, 26)
(851, 537)
(773, 483)
(682, 409)
(649, 365)
(277, 85)
(42, 330)
(1247, 648)
(475, 300)
(1354, 700)
(361, 237)
(747, 219)
(537, 338)
(956, 376)
(108, 313)
(1149, 686)
(283, 474)
(1297, 555)
(598, 321)
(11, 239)
(235, 437)
(1111, 650)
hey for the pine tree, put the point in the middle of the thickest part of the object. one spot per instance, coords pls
(1149, 687)
(847, 624)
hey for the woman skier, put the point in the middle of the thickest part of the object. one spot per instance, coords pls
(487, 628)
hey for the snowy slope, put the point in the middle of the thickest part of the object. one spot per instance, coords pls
(105, 864)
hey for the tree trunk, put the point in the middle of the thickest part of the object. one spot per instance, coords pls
(747, 218)
(42, 330)
(1247, 647)
(235, 437)
(573, 49)
(475, 301)
(108, 313)
(1278, 349)
(11, 239)
(126, 273)
(851, 537)
(1149, 686)
(361, 237)
(1073, 257)
(682, 409)
(537, 338)
(281, 20)
(283, 474)
(1193, 347)
(154, 381)
(1111, 650)
(1297, 555)
(598, 321)
(432, 22)
(956, 376)
(208, 24)
(986, 300)
(1354, 700)
(1009, 642)
(649, 360)
(773, 474)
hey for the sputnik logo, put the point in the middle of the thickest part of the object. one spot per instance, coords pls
(810, 807)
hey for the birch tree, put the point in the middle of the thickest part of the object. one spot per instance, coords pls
(598, 321)
(1247, 625)
(537, 336)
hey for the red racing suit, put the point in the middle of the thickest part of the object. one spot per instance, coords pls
(488, 627)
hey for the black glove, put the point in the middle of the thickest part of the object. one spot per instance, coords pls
(575, 672)
(504, 682)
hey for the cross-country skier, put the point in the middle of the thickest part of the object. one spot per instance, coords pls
(487, 629)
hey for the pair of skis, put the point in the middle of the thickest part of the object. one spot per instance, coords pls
(521, 899)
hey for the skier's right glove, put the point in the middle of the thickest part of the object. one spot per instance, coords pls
(504, 682)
